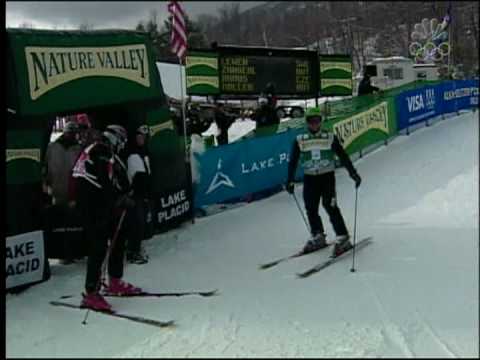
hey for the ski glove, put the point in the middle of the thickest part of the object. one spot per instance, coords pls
(357, 179)
(290, 187)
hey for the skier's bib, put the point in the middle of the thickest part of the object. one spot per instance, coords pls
(316, 155)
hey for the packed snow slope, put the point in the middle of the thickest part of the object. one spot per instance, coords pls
(414, 294)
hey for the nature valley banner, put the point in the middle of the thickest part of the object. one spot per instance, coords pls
(366, 127)
(202, 73)
(49, 67)
(66, 71)
(335, 75)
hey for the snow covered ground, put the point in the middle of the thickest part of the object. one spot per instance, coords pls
(415, 292)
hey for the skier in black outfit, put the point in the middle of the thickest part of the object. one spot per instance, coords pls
(96, 189)
(139, 216)
(316, 149)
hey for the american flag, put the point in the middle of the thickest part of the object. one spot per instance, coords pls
(178, 39)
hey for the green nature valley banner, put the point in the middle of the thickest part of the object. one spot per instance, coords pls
(62, 71)
(202, 73)
(335, 75)
(367, 126)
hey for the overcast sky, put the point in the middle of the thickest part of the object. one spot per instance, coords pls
(111, 14)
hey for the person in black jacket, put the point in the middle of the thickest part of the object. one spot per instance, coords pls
(139, 217)
(223, 120)
(316, 149)
(96, 189)
(266, 115)
(365, 87)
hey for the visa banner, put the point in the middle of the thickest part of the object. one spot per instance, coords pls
(244, 167)
(417, 105)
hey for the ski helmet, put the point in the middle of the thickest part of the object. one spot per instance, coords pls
(70, 127)
(313, 113)
(117, 136)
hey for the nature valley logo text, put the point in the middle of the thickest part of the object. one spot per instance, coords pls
(353, 127)
(30, 154)
(49, 67)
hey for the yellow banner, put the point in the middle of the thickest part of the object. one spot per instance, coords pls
(355, 126)
(31, 154)
(202, 80)
(347, 83)
(49, 67)
(207, 61)
(164, 126)
(345, 66)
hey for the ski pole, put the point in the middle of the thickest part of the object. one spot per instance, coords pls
(107, 256)
(354, 231)
(301, 212)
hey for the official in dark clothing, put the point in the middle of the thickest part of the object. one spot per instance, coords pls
(316, 149)
(266, 115)
(365, 87)
(139, 216)
(223, 120)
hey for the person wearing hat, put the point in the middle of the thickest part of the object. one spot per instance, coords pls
(139, 216)
(59, 161)
(365, 87)
(265, 115)
(316, 149)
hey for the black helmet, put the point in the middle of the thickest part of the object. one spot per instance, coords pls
(70, 127)
(117, 136)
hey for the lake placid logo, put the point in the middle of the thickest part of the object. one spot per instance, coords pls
(219, 179)
(49, 67)
(353, 127)
(30, 154)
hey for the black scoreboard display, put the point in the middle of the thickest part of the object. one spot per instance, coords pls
(247, 71)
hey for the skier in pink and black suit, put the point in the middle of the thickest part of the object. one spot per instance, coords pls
(96, 178)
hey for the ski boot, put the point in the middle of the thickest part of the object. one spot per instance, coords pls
(120, 287)
(342, 244)
(95, 301)
(317, 242)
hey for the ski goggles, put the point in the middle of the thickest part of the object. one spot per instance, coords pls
(143, 130)
(314, 119)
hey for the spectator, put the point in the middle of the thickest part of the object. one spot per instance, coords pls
(223, 120)
(266, 114)
(59, 161)
(139, 216)
(365, 87)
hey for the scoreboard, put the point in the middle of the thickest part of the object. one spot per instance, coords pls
(246, 71)
(247, 74)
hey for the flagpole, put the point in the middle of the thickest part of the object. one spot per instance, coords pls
(188, 164)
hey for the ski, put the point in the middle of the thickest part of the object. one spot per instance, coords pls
(297, 254)
(139, 319)
(359, 245)
(156, 294)
(165, 294)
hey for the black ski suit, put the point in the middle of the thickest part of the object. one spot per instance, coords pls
(322, 186)
(94, 191)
